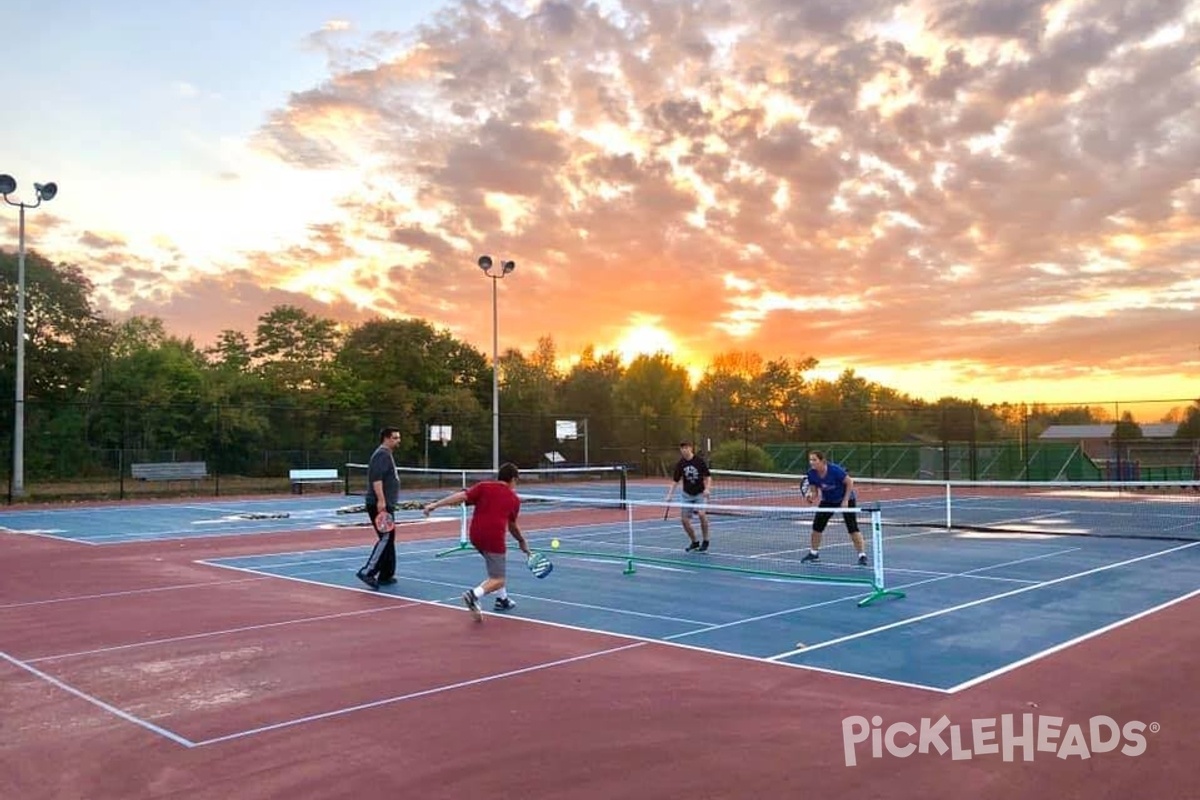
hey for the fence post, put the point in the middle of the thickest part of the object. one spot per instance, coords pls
(217, 454)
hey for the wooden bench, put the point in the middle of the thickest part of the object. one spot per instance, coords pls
(302, 477)
(170, 471)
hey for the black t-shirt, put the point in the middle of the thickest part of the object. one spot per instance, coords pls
(692, 471)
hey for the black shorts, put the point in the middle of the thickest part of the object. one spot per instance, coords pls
(821, 519)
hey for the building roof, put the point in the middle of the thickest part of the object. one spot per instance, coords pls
(1157, 430)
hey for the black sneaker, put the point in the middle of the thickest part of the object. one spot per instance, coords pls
(472, 604)
(862, 559)
(504, 604)
(810, 556)
(692, 546)
(387, 581)
(368, 579)
(704, 546)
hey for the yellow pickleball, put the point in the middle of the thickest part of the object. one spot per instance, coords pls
(554, 544)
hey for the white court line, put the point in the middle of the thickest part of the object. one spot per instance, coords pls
(210, 634)
(671, 641)
(141, 537)
(980, 601)
(936, 573)
(42, 534)
(404, 576)
(174, 737)
(1064, 645)
(858, 596)
(553, 601)
(131, 592)
(413, 695)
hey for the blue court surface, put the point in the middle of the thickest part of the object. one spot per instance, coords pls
(120, 524)
(977, 604)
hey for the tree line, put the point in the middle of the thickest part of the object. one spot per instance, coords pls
(302, 383)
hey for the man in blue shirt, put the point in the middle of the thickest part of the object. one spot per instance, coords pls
(836, 488)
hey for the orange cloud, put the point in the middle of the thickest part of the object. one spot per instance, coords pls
(969, 199)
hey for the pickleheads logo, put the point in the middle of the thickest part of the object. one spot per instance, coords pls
(1009, 735)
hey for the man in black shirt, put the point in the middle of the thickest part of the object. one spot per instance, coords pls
(693, 472)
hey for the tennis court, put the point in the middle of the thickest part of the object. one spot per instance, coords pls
(209, 649)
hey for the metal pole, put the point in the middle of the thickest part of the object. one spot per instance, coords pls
(18, 476)
(495, 380)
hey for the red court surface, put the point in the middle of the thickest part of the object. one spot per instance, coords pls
(131, 672)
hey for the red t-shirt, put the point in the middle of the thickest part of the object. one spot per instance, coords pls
(495, 506)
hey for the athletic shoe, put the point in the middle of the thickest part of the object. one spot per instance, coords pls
(504, 604)
(862, 559)
(704, 546)
(387, 581)
(810, 556)
(472, 603)
(692, 546)
(368, 579)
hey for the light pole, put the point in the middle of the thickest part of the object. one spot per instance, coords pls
(505, 267)
(44, 192)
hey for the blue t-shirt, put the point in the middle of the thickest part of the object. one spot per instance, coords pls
(832, 486)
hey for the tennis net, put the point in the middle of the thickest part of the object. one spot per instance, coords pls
(419, 485)
(1127, 509)
(762, 541)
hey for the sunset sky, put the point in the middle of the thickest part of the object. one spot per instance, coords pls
(997, 199)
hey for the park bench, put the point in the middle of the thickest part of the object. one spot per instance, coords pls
(170, 471)
(303, 477)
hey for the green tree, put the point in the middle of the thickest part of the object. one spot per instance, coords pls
(154, 399)
(587, 394)
(741, 455)
(408, 374)
(64, 342)
(1189, 428)
(293, 347)
(64, 336)
(231, 352)
(724, 397)
(655, 398)
(1127, 428)
(529, 402)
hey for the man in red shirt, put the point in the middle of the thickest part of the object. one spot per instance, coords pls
(496, 509)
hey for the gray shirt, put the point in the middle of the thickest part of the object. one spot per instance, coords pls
(382, 467)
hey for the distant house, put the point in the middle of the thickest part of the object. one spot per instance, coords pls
(1098, 443)
(1097, 440)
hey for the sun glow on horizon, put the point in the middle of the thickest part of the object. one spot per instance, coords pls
(644, 336)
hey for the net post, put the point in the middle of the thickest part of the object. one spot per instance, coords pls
(463, 537)
(878, 590)
(629, 522)
(877, 544)
(949, 521)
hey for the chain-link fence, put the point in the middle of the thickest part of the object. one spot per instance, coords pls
(89, 450)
